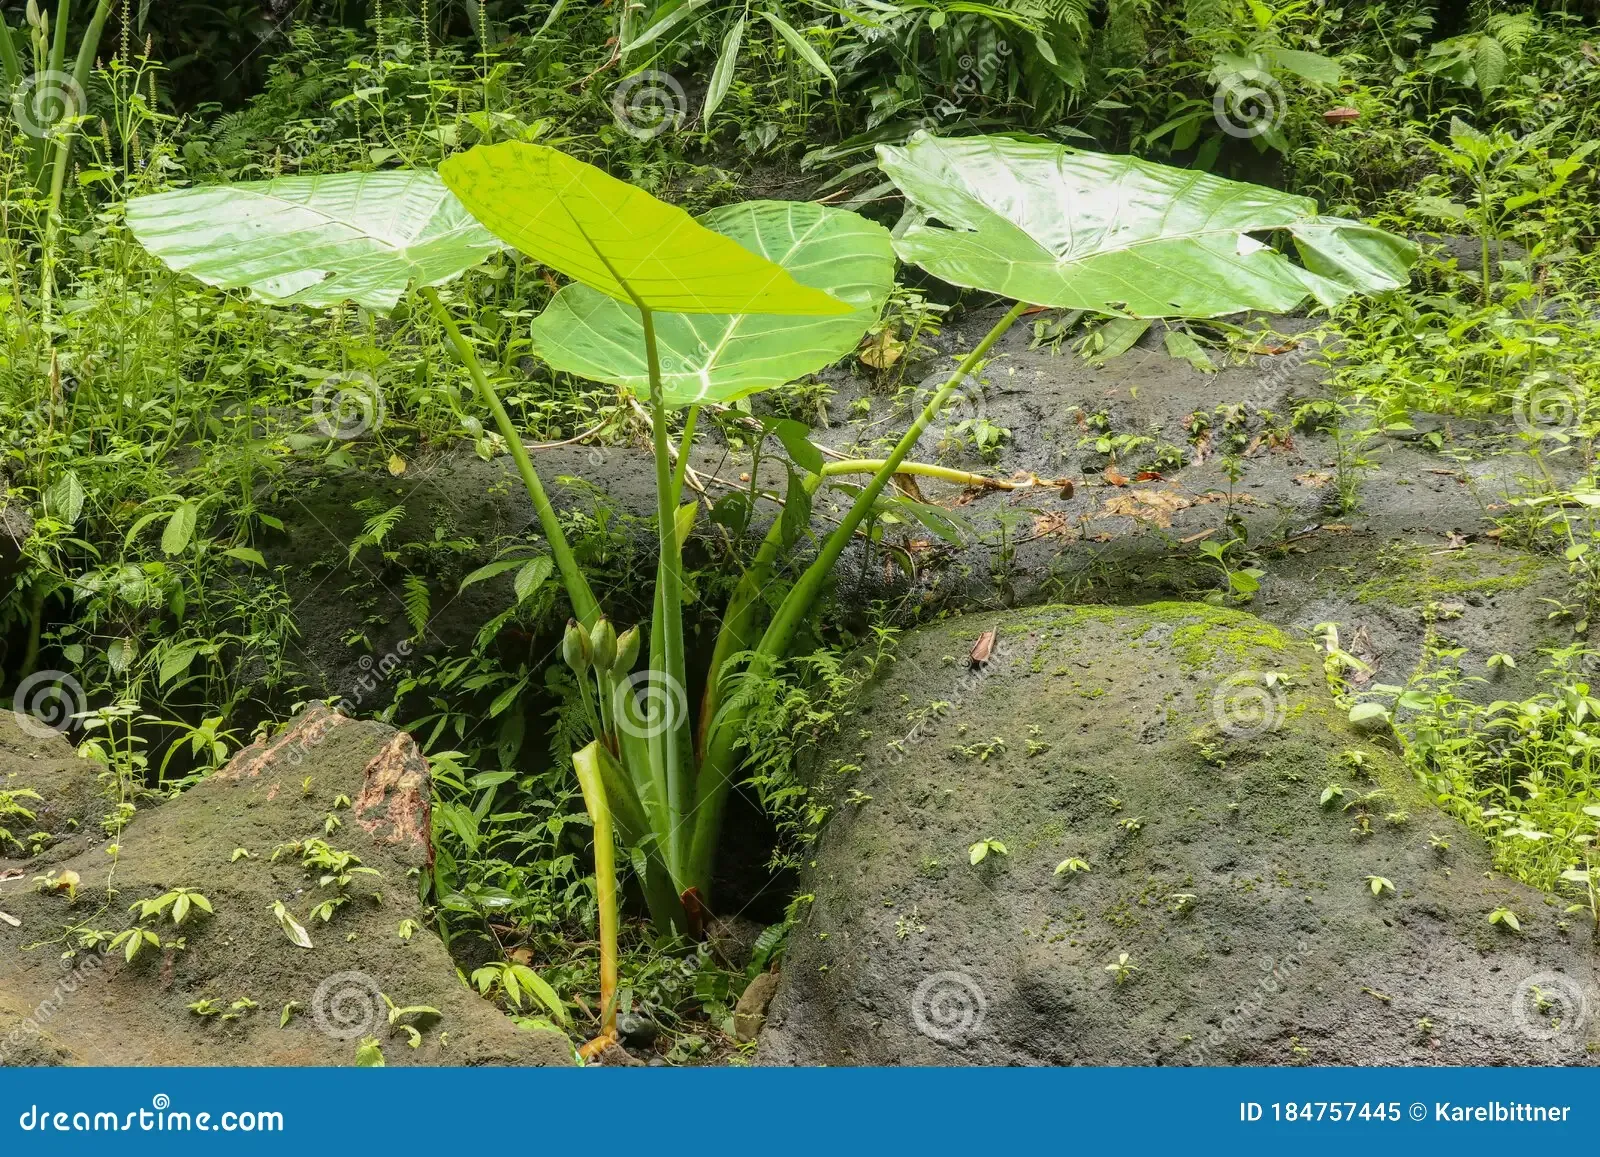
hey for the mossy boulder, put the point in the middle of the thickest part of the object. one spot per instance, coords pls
(1218, 911)
(239, 990)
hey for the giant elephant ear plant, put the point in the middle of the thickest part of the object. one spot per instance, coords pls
(750, 297)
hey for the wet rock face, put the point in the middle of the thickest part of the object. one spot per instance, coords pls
(242, 838)
(1172, 890)
(1128, 534)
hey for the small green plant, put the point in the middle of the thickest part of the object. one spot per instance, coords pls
(519, 985)
(1505, 918)
(1122, 968)
(338, 870)
(979, 851)
(180, 903)
(134, 941)
(1072, 864)
(1380, 886)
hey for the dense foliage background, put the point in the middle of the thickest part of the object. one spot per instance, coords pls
(149, 427)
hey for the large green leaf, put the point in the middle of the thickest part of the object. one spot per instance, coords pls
(316, 241)
(719, 357)
(618, 239)
(1057, 226)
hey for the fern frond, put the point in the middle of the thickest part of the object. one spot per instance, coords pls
(376, 529)
(1512, 29)
(418, 603)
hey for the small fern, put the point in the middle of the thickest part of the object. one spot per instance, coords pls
(419, 604)
(376, 529)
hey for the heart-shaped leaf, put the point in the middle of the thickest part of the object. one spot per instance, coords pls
(1057, 226)
(618, 239)
(719, 357)
(317, 241)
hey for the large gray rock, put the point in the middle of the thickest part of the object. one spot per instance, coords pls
(99, 1009)
(1225, 916)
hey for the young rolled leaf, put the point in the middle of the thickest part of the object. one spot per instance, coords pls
(1057, 226)
(317, 241)
(719, 357)
(618, 239)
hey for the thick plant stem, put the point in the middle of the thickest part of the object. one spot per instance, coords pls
(63, 145)
(587, 765)
(684, 446)
(717, 763)
(584, 604)
(924, 470)
(666, 734)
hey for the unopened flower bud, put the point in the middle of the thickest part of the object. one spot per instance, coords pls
(603, 644)
(575, 647)
(627, 651)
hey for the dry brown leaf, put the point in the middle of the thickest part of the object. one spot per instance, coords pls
(1314, 478)
(1154, 506)
(1051, 525)
(881, 350)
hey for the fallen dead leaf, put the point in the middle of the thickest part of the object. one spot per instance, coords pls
(1054, 524)
(982, 649)
(1153, 506)
(1114, 477)
(881, 350)
(1314, 478)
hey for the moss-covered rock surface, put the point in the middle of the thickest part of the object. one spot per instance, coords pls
(1202, 863)
(232, 986)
